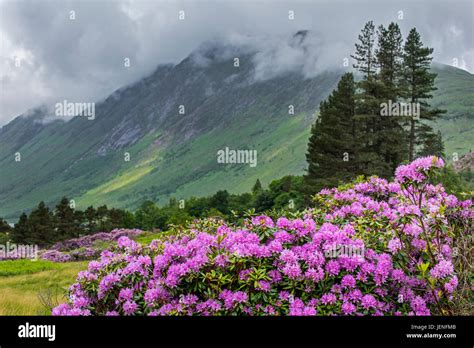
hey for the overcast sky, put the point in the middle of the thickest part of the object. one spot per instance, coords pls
(82, 59)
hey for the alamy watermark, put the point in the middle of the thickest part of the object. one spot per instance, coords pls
(37, 331)
(400, 109)
(237, 157)
(344, 250)
(18, 251)
(69, 109)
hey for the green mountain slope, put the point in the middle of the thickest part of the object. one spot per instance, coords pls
(170, 154)
(456, 95)
(175, 155)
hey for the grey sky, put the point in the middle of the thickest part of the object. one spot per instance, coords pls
(83, 59)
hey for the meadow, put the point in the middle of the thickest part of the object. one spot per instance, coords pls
(28, 287)
(32, 287)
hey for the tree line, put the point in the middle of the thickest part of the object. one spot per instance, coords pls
(44, 226)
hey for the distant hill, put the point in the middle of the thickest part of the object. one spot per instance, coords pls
(456, 95)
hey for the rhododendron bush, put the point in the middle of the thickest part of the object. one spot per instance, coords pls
(84, 248)
(370, 248)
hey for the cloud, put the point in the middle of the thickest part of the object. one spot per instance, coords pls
(83, 59)
(305, 52)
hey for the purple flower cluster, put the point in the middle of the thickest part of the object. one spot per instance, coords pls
(78, 249)
(375, 248)
(417, 170)
(56, 256)
(88, 240)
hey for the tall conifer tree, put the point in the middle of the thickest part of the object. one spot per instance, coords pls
(65, 220)
(368, 104)
(418, 83)
(21, 231)
(331, 149)
(257, 187)
(391, 135)
(41, 225)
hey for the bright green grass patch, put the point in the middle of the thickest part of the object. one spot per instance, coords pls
(25, 266)
(147, 237)
(26, 294)
(103, 244)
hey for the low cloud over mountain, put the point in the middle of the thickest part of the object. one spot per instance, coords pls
(82, 59)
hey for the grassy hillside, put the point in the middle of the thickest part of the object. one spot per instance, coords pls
(173, 155)
(278, 153)
(456, 95)
(170, 154)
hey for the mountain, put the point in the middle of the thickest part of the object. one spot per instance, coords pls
(170, 154)
(456, 95)
(175, 155)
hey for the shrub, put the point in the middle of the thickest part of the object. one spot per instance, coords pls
(370, 248)
(56, 256)
(86, 247)
(88, 240)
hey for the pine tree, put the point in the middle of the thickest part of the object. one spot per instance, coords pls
(41, 225)
(263, 201)
(21, 231)
(368, 97)
(79, 225)
(4, 226)
(90, 216)
(65, 221)
(389, 58)
(220, 201)
(390, 133)
(331, 149)
(257, 187)
(116, 217)
(364, 55)
(418, 83)
(103, 223)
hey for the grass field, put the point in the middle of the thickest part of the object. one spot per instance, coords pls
(20, 294)
(28, 287)
(19, 267)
